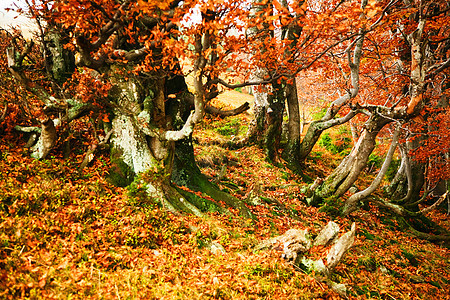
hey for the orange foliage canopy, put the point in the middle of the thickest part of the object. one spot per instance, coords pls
(404, 61)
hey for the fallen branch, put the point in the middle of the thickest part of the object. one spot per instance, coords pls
(296, 245)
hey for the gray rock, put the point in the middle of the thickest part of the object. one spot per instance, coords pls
(339, 288)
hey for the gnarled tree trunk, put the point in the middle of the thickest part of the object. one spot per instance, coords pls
(345, 175)
(138, 150)
(352, 202)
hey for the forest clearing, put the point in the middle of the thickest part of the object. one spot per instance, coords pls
(263, 149)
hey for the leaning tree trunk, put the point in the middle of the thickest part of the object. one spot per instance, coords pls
(316, 128)
(345, 175)
(351, 203)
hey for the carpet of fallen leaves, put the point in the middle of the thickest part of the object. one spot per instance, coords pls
(66, 235)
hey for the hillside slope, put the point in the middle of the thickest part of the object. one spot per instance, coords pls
(69, 235)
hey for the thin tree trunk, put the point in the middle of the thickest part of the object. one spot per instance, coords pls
(292, 150)
(274, 118)
(400, 188)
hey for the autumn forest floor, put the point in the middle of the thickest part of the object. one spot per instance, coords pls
(70, 235)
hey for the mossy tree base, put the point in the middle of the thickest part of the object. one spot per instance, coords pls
(154, 188)
(186, 173)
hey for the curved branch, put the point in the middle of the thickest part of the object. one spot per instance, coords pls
(14, 66)
(199, 96)
(408, 172)
(176, 135)
(315, 130)
(227, 113)
(350, 204)
(435, 204)
(135, 54)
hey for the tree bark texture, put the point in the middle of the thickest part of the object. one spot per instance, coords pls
(345, 175)
(352, 202)
(292, 150)
(274, 118)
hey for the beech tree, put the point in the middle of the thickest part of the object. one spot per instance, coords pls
(291, 37)
(123, 64)
(119, 63)
(404, 82)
